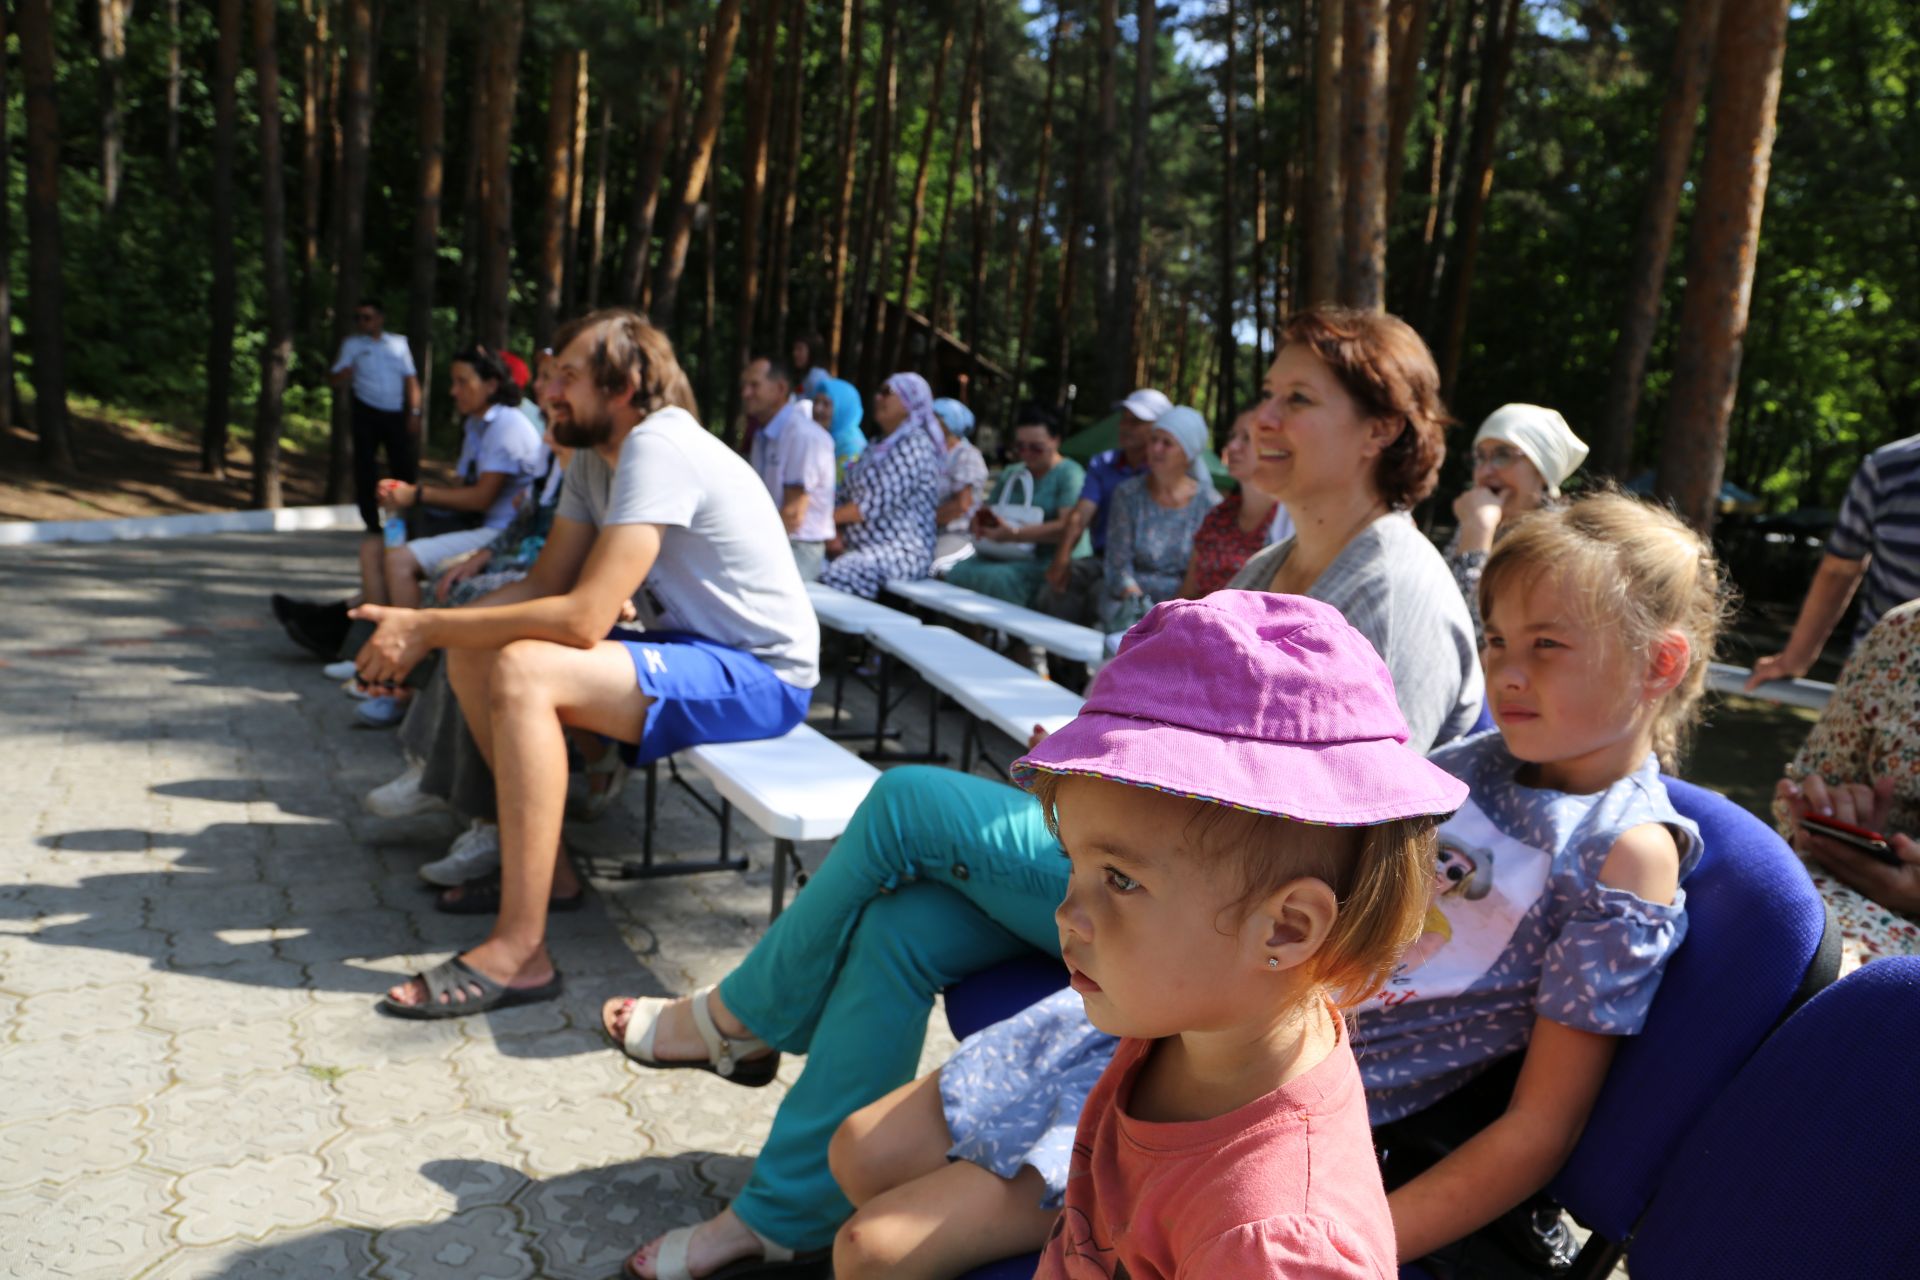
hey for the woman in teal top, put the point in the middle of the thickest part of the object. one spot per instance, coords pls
(1056, 487)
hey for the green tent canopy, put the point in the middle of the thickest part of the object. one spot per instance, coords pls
(1105, 434)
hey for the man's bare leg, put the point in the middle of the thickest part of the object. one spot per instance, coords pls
(373, 570)
(403, 577)
(534, 689)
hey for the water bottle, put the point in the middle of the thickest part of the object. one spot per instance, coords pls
(393, 528)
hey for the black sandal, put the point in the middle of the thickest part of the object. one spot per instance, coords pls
(482, 898)
(456, 980)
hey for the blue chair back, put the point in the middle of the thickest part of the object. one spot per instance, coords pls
(1803, 1166)
(996, 994)
(1757, 943)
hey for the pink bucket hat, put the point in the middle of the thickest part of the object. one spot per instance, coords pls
(1266, 702)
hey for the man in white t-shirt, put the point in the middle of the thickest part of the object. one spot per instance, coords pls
(386, 405)
(794, 456)
(651, 499)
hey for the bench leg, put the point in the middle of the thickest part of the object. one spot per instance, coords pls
(785, 856)
(878, 752)
(647, 869)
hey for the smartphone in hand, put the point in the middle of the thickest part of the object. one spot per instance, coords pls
(1871, 843)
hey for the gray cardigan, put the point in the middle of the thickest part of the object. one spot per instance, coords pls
(1395, 590)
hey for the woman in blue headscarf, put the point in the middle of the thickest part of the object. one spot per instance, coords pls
(836, 406)
(964, 487)
(887, 505)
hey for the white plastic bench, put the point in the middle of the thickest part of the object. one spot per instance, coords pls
(795, 788)
(991, 689)
(854, 616)
(1055, 635)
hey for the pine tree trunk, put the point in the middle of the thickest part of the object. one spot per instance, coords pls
(597, 218)
(9, 390)
(910, 270)
(277, 356)
(1030, 271)
(473, 190)
(1721, 246)
(506, 23)
(982, 207)
(1407, 39)
(1072, 229)
(761, 84)
(1479, 185)
(432, 161)
(1476, 30)
(174, 77)
(350, 206)
(46, 290)
(314, 33)
(1258, 261)
(226, 67)
(961, 134)
(852, 17)
(1325, 251)
(1106, 151)
(1229, 206)
(1365, 230)
(721, 35)
(788, 200)
(1132, 243)
(646, 190)
(878, 194)
(1653, 239)
(582, 103)
(558, 164)
(113, 55)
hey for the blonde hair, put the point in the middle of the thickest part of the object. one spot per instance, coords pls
(1381, 877)
(1637, 571)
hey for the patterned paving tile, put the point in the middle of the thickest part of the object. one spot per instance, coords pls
(59, 1148)
(250, 1198)
(111, 1225)
(533, 1071)
(399, 1094)
(273, 1113)
(423, 1172)
(564, 1135)
(79, 1012)
(326, 1253)
(479, 1244)
(108, 1067)
(347, 1032)
(588, 1222)
(236, 1049)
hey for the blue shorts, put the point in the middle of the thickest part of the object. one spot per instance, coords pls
(702, 692)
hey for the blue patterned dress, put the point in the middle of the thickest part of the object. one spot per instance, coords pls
(898, 492)
(1520, 928)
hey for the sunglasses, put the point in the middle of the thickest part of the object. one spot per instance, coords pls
(1029, 446)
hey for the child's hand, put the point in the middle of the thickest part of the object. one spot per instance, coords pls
(1038, 736)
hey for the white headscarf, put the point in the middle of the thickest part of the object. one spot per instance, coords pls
(1542, 435)
(1190, 429)
(917, 396)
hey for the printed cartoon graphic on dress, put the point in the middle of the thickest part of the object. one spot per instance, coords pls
(1084, 1255)
(1484, 883)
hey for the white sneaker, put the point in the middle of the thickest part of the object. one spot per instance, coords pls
(341, 670)
(475, 853)
(402, 798)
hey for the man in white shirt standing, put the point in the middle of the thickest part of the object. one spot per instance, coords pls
(386, 405)
(651, 498)
(794, 457)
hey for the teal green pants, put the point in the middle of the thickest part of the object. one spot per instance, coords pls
(939, 875)
(1014, 581)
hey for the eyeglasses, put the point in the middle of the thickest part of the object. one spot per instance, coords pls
(1499, 456)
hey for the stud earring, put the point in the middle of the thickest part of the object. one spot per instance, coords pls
(1273, 962)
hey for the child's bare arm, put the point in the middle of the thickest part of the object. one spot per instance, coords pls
(1520, 1152)
(1514, 1156)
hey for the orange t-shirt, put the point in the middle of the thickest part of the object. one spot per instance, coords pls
(1286, 1186)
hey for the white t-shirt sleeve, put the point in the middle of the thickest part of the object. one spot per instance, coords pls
(345, 358)
(655, 483)
(575, 505)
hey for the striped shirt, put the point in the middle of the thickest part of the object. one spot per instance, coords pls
(1880, 522)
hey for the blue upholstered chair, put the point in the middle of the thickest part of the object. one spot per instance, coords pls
(1804, 1165)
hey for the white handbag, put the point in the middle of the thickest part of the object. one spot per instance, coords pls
(1014, 515)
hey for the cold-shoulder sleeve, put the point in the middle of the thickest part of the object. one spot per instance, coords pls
(1600, 974)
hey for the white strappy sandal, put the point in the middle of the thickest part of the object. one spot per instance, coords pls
(732, 1059)
(775, 1260)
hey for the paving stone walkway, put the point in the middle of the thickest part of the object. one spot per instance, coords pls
(196, 915)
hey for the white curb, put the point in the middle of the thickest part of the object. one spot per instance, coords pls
(14, 533)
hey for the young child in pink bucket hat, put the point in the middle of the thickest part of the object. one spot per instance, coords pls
(1251, 846)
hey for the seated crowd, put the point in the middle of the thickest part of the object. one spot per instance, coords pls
(1390, 922)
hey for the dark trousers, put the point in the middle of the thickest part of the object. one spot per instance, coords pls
(374, 429)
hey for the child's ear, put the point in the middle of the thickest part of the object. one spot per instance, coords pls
(1668, 663)
(1293, 923)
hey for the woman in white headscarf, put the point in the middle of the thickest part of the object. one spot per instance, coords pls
(1153, 518)
(1522, 454)
(887, 508)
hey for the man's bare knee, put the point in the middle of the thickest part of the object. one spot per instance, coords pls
(522, 674)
